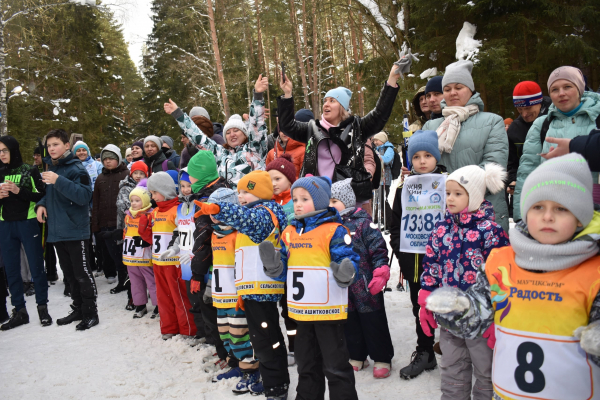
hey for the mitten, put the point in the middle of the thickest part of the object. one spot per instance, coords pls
(589, 337)
(343, 273)
(139, 242)
(143, 223)
(448, 300)
(405, 62)
(240, 304)
(145, 228)
(171, 252)
(271, 259)
(490, 335)
(186, 258)
(380, 277)
(194, 286)
(425, 316)
(207, 296)
(206, 208)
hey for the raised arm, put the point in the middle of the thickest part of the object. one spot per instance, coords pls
(190, 129)
(375, 120)
(257, 128)
(298, 131)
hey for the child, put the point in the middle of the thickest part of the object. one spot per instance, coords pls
(68, 194)
(318, 263)
(170, 288)
(458, 246)
(539, 297)
(423, 154)
(367, 331)
(258, 218)
(138, 259)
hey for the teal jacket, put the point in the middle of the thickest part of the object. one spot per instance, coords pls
(482, 139)
(563, 127)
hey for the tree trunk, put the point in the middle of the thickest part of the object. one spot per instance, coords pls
(314, 60)
(305, 50)
(276, 60)
(354, 51)
(332, 69)
(262, 55)
(3, 105)
(361, 98)
(246, 57)
(215, 43)
(297, 43)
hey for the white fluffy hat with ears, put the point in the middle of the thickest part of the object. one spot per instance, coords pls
(477, 180)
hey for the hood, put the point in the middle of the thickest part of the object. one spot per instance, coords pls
(484, 213)
(218, 128)
(358, 213)
(387, 144)
(590, 106)
(114, 149)
(290, 146)
(15, 153)
(128, 182)
(328, 215)
(475, 99)
(592, 230)
(416, 104)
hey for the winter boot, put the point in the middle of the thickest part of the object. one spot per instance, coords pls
(154, 313)
(381, 370)
(250, 377)
(90, 318)
(193, 341)
(140, 311)
(257, 388)
(167, 336)
(232, 373)
(130, 306)
(275, 393)
(74, 315)
(420, 361)
(29, 289)
(45, 318)
(359, 365)
(17, 318)
(118, 289)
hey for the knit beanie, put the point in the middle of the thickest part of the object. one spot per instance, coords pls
(319, 188)
(572, 74)
(382, 136)
(202, 166)
(185, 177)
(258, 183)
(527, 94)
(79, 144)
(167, 139)
(151, 138)
(139, 166)
(175, 176)
(108, 154)
(199, 111)
(143, 194)
(128, 152)
(459, 72)
(204, 125)
(285, 165)
(162, 183)
(342, 191)
(111, 151)
(566, 180)
(476, 180)
(304, 115)
(224, 195)
(143, 183)
(235, 121)
(434, 85)
(423, 141)
(342, 95)
(138, 143)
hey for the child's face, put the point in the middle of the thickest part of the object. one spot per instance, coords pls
(457, 198)
(186, 188)
(157, 197)
(136, 203)
(280, 182)
(303, 202)
(56, 147)
(246, 197)
(423, 162)
(138, 175)
(338, 205)
(110, 163)
(551, 223)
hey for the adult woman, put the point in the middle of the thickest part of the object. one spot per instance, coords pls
(93, 167)
(21, 189)
(329, 140)
(245, 149)
(573, 113)
(466, 134)
(137, 151)
(155, 158)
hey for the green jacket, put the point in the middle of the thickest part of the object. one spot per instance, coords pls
(482, 139)
(562, 127)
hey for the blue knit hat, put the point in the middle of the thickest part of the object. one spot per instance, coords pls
(184, 177)
(175, 176)
(434, 85)
(423, 141)
(319, 188)
(342, 95)
(79, 144)
(304, 115)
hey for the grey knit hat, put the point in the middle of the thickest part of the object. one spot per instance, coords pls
(151, 138)
(459, 72)
(342, 191)
(162, 183)
(167, 140)
(199, 112)
(566, 180)
(224, 195)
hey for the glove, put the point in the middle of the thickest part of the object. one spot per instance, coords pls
(117, 234)
(186, 258)
(207, 297)
(240, 304)
(589, 337)
(343, 273)
(490, 334)
(380, 277)
(271, 259)
(139, 242)
(405, 62)
(450, 301)
(171, 252)
(206, 208)
(194, 286)
(143, 223)
(425, 316)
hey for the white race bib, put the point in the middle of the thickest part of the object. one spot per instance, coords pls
(223, 281)
(423, 205)
(130, 251)
(314, 286)
(186, 237)
(160, 244)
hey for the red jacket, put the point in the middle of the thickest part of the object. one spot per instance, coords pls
(294, 148)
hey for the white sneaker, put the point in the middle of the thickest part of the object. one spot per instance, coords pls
(111, 280)
(291, 359)
(167, 336)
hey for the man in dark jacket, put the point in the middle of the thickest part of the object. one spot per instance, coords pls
(435, 94)
(154, 158)
(65, 209)
(170, 153)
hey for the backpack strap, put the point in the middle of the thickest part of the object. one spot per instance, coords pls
(544, 130)
(165, 165)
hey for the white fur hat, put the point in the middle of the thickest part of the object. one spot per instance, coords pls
(476, 180)
(235, 121)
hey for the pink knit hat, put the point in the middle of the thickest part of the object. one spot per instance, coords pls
(571, 74)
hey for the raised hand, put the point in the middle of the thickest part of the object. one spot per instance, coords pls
(170, 107)
(262, 84)
(286, 87)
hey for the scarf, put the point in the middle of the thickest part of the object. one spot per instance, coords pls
(222, 230)
(283, 197)
(167, 204)
(134, 213)
(325, 124)
(533, 255)
(572, 112)
(449, 129)
(65, 155)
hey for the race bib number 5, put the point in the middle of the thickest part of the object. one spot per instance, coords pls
(308, 286)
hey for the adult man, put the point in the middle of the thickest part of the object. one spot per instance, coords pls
(37, 159)
(434, 94)
(167, 148)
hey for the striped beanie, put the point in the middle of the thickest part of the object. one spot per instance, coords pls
(527, 94)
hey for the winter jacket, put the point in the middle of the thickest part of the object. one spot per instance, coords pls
(517, 132)
(411, 264)
(562, 127)
(104, 206)
(233, 164)
(386, 151)
(293, 148)
(589, 147)
(155, 163)
(67, 200)
(284, 199)
(421, 117)
(172, 156)
(370, 246)
(94, 169)
(482, 139)
(123, 203)
(312, 133)
(458, 246)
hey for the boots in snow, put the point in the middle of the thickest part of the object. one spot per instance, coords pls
(381, 370)
(154, 313)
(45, 318)
(89, 320)
(419, 362)
(118, 289)
(250, 377)
(232, 373)
(359, 365)
(130, 306)
(275, 393)
(17, 318)
(257, 388)
(74, 315)
(167, 336)
(28, 288)
(140, 311)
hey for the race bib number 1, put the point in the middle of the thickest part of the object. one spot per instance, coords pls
(423, 205)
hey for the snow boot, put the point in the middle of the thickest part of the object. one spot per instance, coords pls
(257, 388)
(45, 318)
(74, 315)
(381, 370)
(275, 393)
(17, 318)
(167, 336)
(250, 377)
(232, 373)
(28, 288)
(90, 318)
(359, 365)
(118, 289)
(130, 306)
(420, 361)
(140, 311)
(154, 313)
(193, 341)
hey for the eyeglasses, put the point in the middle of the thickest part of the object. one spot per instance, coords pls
(5, 151)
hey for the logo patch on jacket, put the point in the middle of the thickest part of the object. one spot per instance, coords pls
(251, 185)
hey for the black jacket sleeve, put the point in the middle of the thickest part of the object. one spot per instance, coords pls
(373, 123)
(589, 147)
(396, 221)
(297, 130)
(513, 160)
(202, 249)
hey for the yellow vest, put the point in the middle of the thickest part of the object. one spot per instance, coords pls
(134, 256)
(224, 293)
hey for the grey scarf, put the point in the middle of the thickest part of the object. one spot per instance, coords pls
(65, 155)
(532, 255)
